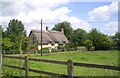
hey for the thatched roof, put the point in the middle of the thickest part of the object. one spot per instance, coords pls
(49, 36)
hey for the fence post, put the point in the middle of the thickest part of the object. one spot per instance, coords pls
(70, 68)
(1, 58)
(1, 64)
(26, 66)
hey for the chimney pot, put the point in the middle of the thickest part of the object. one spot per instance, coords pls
(46, 28)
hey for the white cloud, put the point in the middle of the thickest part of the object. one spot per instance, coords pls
(76, 23)
(111, 28)
(30, 13)
(5, 20)
(103, 13)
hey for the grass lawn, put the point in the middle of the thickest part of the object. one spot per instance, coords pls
(99, 57)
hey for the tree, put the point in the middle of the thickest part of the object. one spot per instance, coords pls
(116, 39)
(100, 41)
(7, 44)
(88, 44)
(105, 42)
(66, 26)
(14, 29)
(17, 34)
(78, 37)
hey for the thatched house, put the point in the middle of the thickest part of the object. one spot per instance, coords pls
(51, 38)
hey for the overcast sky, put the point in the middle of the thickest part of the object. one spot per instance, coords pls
(84, 15)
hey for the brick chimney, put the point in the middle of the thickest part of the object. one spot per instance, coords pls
(62, 30)
(46, 28)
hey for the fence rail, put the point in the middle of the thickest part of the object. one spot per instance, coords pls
(97, 66)
(69, 64)
(48, 61)
(36, 71)
(16, 57)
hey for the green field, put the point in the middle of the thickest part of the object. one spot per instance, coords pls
(95, 57)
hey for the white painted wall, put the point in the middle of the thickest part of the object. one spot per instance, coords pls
(43, 46)
(48, 46)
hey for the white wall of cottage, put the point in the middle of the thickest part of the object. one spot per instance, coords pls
(50, 46)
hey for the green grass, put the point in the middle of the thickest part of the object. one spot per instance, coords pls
(99, 57)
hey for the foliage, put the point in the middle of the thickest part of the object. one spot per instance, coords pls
(99, 40)
(7, 44)
(67, 47)
(105, 42)
(116, 40)
(24, 42)
(17, 35)
(1, 30)
(88, 44)
(32, 46)
(45, 50)
(66, 26)
(78, 37)
(62, 47)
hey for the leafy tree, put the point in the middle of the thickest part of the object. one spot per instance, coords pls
(88, 44)
(117, 40)
(78, 37)
(17, 34)
(94, 36)
(105, 42)
(14, 29)
(66, 26)
(100, 41)
(7, 44)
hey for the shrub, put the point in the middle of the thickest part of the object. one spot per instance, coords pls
(88, 44)
(32, 46)
(61, 47)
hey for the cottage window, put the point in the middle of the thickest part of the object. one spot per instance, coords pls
(50, 42)
(56, 42)
(63, 41)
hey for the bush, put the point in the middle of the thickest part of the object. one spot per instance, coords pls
(88, 44)
(67, 47)
(33, 46)
(44, 50)
(61, 47)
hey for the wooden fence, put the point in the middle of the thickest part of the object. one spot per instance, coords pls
(69, 64)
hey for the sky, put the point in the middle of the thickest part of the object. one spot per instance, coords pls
(81, 14)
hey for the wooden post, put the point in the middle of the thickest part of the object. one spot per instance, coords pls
(70, 68)
(0, 64)
(0, 58)
(41, 37)
(26, 66)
